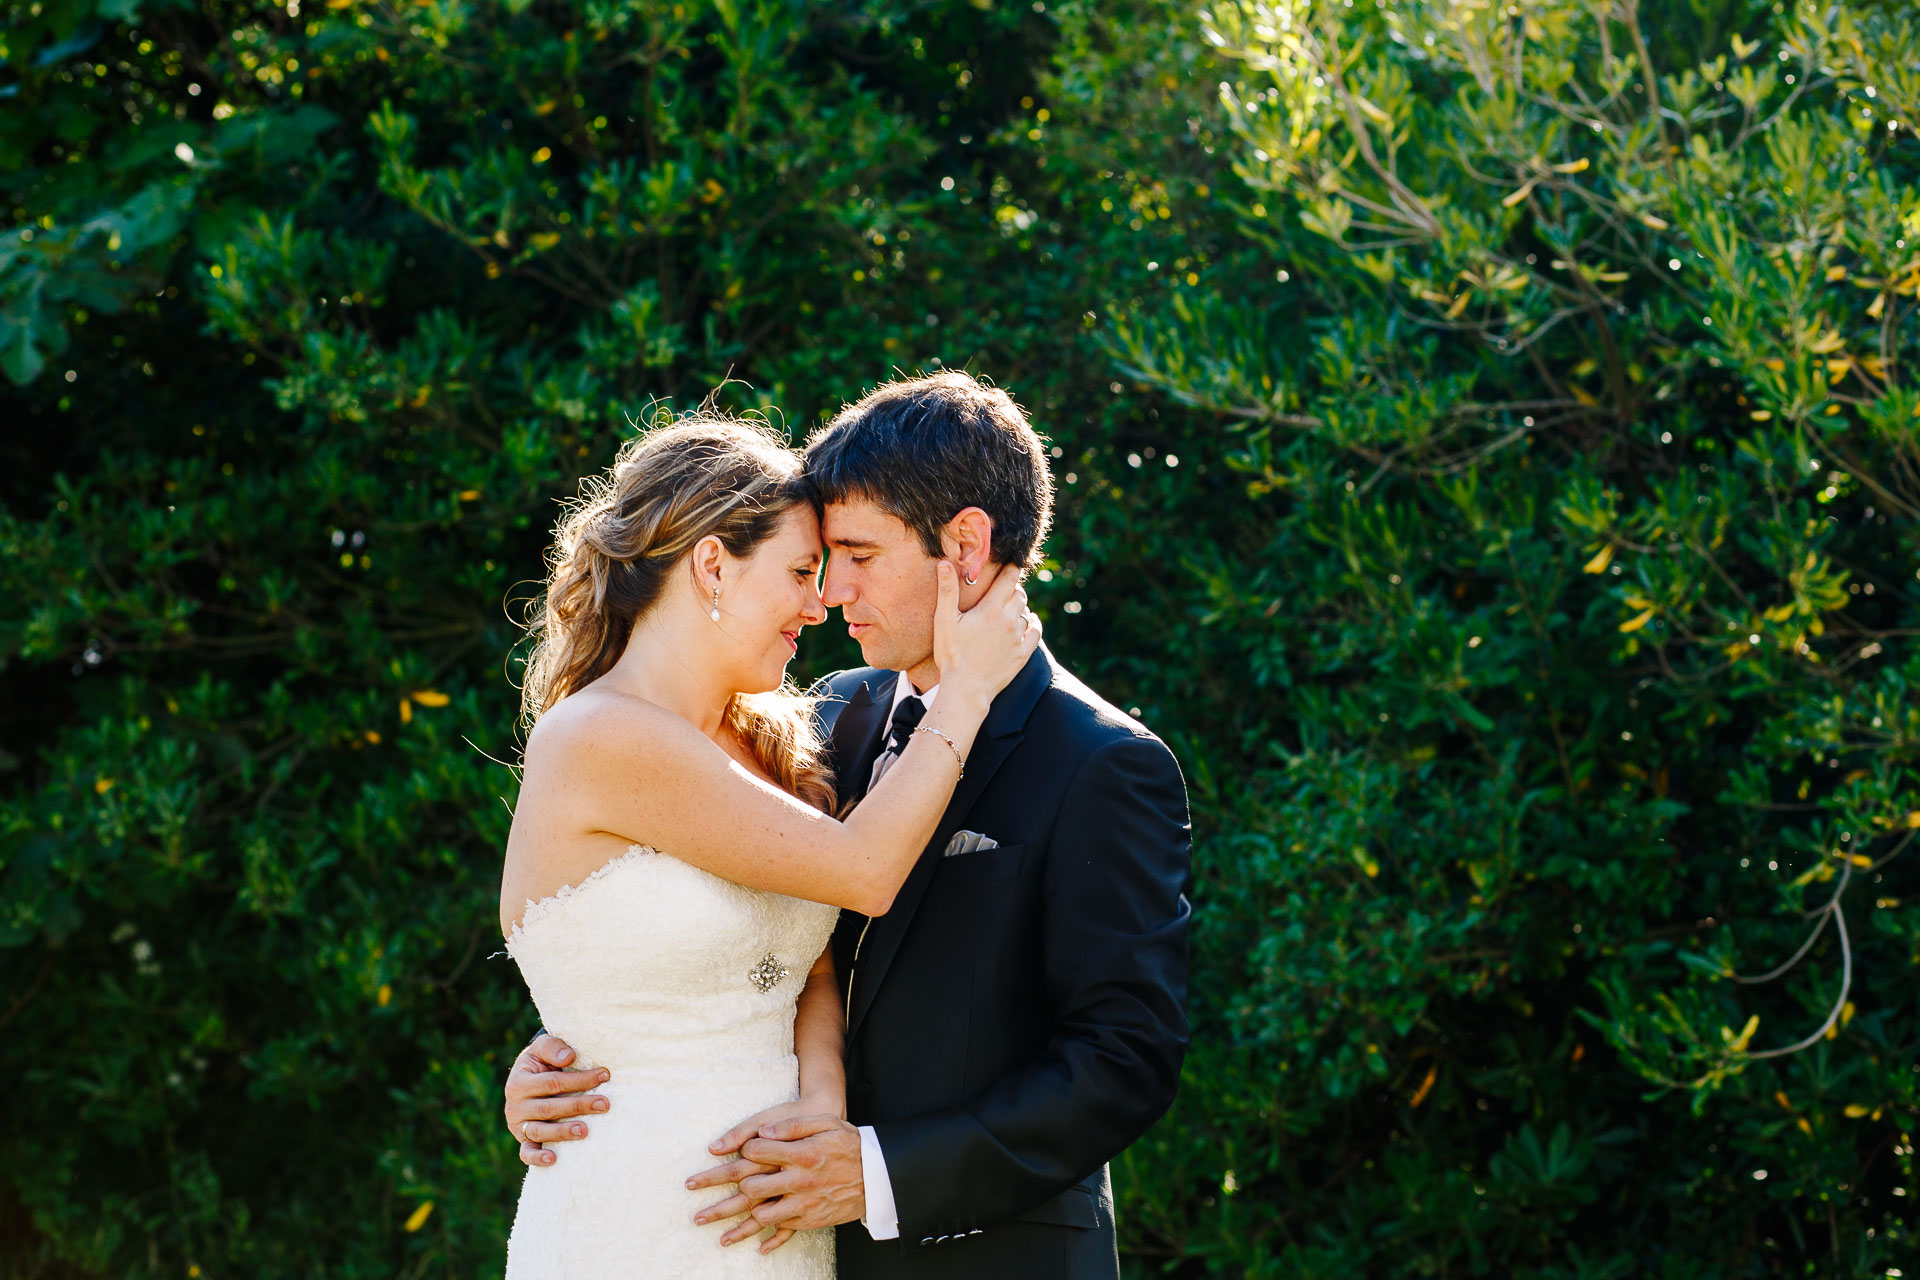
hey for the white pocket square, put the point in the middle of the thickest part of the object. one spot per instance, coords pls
(968, 842)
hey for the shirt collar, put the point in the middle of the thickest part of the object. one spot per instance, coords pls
(903, 689)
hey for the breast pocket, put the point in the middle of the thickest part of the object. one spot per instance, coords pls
(1002, 863)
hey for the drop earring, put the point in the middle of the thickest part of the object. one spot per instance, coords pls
(715, 614)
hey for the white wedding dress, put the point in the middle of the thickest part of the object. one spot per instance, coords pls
(683, 986)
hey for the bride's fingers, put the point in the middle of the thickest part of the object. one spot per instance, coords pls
(722, 1175)
(766, 1214)
(729, 1142)
(731, 1207)
(798, 1127)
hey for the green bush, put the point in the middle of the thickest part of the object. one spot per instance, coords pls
(1537, 650)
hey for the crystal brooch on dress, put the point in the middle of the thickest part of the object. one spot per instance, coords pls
(768, 973)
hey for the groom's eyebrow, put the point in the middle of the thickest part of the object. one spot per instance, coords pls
(851, 544)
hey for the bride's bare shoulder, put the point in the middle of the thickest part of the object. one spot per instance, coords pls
(597, 723)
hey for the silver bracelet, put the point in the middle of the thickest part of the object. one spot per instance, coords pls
(950, 745)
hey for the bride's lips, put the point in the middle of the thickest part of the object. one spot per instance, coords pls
(792, 638)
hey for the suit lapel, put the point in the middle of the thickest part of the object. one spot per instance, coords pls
(1002, 731)
(859, 732)
(853, 744)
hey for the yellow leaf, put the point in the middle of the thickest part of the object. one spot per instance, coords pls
(711, 191)
(420, 398)
(1855, 1110)
(1521, 194)
(419, 1217)
(406, 711)
(1761, 415)
(1585, 367)
(1803, 1126)
(1780, 1096)
(373, 737)
(1879, 305)
(1777, 366)
(385, 996)
(1572, 166)
(1460, 303)
(1836, 273)
(1779, 613)
(1426, 1086)
(1861, 860)
(469, 495)
(543, 155)
(545, 107)
(102, 785)
(1610, 277)
(1583, 395)
(1637, 621)
(1846, 1013)
(1832, 409)
(1743, 48)
(1913, 819)
(1828, 343)
(1658, 224)
(543, 241)
(430, 698)
(1600, 561)
(1746, 1034)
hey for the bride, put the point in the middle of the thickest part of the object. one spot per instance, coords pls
(674, 869)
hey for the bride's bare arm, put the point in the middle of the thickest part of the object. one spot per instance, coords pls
(643, 774)
(819, 1041)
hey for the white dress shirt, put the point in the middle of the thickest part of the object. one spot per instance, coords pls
(882, 1218)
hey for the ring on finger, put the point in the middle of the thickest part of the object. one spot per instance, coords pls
(525, 1134)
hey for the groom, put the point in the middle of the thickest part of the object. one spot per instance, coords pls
(1018, 1017)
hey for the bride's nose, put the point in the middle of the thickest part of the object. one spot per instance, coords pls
(815, 611)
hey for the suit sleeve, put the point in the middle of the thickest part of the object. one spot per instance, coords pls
(1115, 967)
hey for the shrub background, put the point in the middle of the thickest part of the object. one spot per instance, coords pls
(1492, 467)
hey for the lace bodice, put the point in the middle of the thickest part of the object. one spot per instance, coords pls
(683, 986)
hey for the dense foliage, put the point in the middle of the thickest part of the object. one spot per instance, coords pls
(1488, 453)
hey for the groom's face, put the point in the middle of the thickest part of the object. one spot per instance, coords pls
(881, 578)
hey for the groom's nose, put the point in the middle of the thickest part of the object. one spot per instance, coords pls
(835, 590)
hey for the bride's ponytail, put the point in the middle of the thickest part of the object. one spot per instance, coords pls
(614, 548)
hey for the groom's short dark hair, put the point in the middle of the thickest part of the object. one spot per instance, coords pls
(925, 449)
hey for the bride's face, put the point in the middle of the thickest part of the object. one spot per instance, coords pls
(772, 595)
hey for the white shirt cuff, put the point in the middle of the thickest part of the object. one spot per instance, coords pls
(882, 1219)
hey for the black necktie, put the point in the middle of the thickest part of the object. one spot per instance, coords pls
(906, 715)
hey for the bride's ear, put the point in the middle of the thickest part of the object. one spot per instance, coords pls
(707, 561)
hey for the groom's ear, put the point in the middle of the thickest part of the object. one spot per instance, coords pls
(968, 542)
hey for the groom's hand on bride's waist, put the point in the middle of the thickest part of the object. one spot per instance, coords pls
(807, 1175)
(544, 1097)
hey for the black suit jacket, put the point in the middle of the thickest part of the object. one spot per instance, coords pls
(1019, 1016)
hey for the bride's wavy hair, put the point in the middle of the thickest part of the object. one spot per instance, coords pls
(617, 546)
